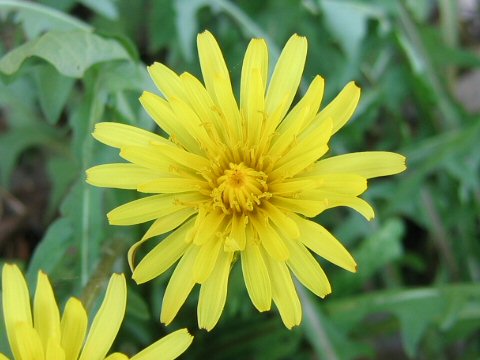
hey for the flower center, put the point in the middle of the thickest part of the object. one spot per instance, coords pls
(240, 188)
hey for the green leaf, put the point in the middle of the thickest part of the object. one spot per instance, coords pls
(51, 251)
(53, 91)
(37, 18)
(187, 24)
(14, 142)
(71, 53)
(347, 21)
(106, 8)
(378, 250)
(18, 100)
(416, 313)
(416, 309)
(62, 171)
(137, 306)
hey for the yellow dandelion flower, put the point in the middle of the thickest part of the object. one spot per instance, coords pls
(44, 335)
(239, 180)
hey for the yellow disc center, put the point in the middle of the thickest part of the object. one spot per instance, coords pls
(240, 188)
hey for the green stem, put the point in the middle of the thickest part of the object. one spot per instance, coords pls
(110, 254)
(315, 328)
(449, 114)
(94, 114)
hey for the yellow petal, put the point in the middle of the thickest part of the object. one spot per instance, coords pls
(162, 256)
(368, 164)
(309, 148)
(120, 176)
(169, 222)
(269, 238)
(304, 111)
(348, 184)
(292, 186)
(285, 80)
(282, 221)
(341, 108)
(336, 199)
(167, 81)
(117, 356)
(160, 226)
(322, 242)
(217, 82)
(309, 208)
(212, 62)
(307, 269)
(187, 118)
(253, 111)
(54, 351)
(16, 303)
(256, 57)
(252, 89)
(184, 158)
(206, 226)
(160, 111)
(3, 357)
(236, 240)
(355, 203)
(27, 342)
(206, 259)
(284, 292)
(229, 108)
(180, 285)
(74, 327)
(107, 321)
(204, 107)
(171, 185)
(257, 280)
(148, 157)
(297, 119)
(45, 311)
(168, 348)
(149, 208)
(213, 293)
(121, 135)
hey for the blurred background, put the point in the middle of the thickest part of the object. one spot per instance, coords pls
(67, 64)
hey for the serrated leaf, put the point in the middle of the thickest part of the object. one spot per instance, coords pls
(36, 18)
(71, 53)
(53, 91)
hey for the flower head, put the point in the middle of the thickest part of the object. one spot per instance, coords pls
(46, 335)
(238, 181)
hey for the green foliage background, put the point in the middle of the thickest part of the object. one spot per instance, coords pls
(67, 64)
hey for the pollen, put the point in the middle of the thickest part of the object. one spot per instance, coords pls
(240, 189)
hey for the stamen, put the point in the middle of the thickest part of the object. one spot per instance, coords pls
(240, 188)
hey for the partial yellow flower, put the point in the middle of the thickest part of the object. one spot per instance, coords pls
(238, 181)
(44, 335)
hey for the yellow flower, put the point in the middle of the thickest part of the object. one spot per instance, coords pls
(239, 180)
(48, 336)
